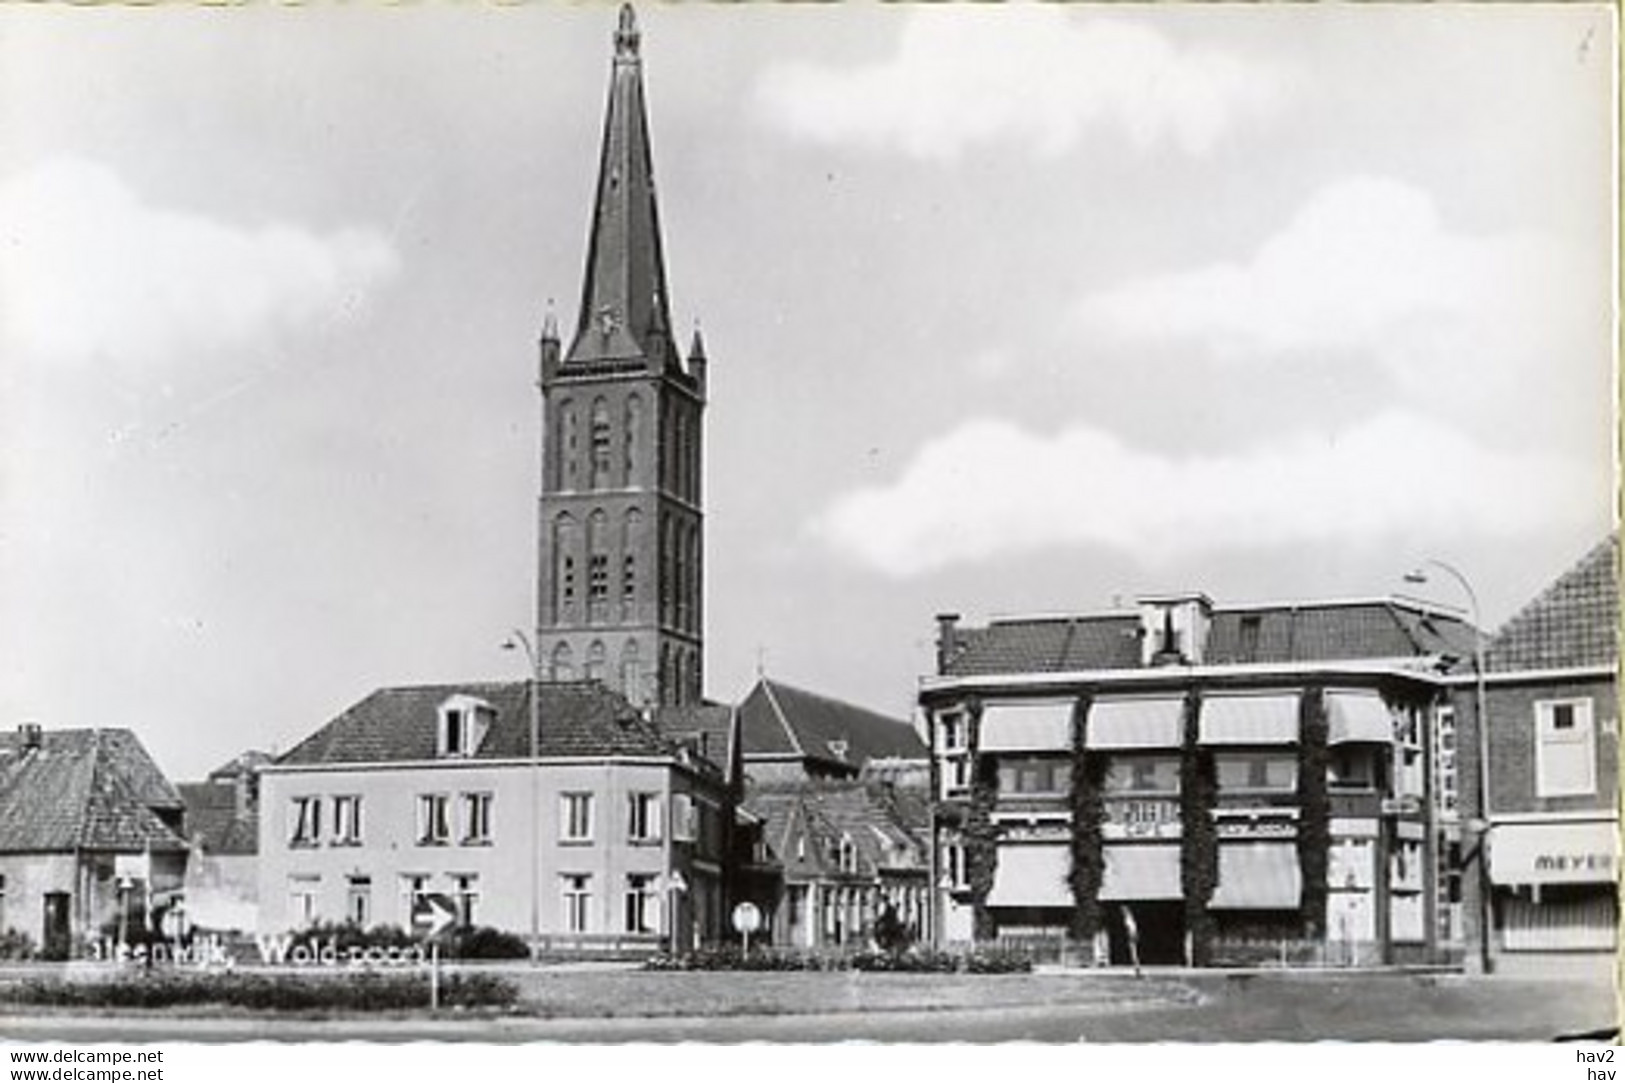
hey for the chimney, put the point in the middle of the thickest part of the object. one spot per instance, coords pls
(947, 640)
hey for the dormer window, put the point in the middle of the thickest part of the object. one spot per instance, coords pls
(1174, 629)
(838, 749)
(463, 723)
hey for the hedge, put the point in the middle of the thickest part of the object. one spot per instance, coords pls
(366, 991)
(917, 961)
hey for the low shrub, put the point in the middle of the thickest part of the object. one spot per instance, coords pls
(16, 946)
(914, 961)
(363, 991)
(484, 942)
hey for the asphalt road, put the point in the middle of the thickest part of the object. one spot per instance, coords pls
(1284, 1007)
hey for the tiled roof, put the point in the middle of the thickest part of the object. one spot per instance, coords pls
(887, 827)
(711, 724)
(576, 718)
(213, 819)
(778, 719)
(1275, 634)
(84, 789)
(1573, 622)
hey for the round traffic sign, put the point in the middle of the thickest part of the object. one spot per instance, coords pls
(747, 918)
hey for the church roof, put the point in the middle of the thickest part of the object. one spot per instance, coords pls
(777, 719)
(1573, 622)
(576, 719)
(624, 314)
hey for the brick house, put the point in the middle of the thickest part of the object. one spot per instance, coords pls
(1552, 823)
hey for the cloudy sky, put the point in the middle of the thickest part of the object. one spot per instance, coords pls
(1009, 310)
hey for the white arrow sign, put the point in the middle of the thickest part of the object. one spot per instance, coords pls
(433, 913)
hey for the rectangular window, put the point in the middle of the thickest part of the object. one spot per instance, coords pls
(953, 866)
(577, 902)
(452, 743)
(434, 820)
(1243, 772)
(302, 892)
(358, 902)
(305, 822)
(414, 886)
(1406, 868)
(1351, 767)
(476, 819)
(1142, 774)
(347, 820)
(575, 817)
(1565, 748)
(642, 904)
(955, 774)
(682, 818)
(951, 732)
(465, 892)
(643, 817)
(1035, 776)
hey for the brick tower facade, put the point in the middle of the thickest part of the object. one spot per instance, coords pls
(621, 533)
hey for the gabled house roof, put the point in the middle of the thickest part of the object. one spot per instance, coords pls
(399, 725)
(778, 720)
(1274, 634)
(84, 789)
(1574, 622)
(216, 820)
(886, 831)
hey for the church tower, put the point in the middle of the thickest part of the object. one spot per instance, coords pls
(621, 543)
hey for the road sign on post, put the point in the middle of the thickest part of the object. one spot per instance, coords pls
(747, 919)
(431, 915)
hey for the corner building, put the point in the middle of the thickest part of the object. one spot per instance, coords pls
(1205, 785)
(621, 532)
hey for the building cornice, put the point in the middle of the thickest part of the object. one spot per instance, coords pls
(1423, 668)
(1535, 676)
(472, 763)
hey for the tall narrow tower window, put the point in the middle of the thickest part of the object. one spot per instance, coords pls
(564, 572)
(631, 672)
(560, 667)
(634, 418)
(598, 566)
(600, 444)
(571, 439)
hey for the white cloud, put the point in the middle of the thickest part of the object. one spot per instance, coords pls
(91, 271)
(967, 74)
(990, 489)
(1367, 269)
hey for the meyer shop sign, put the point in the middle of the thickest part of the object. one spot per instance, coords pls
(1581, 852)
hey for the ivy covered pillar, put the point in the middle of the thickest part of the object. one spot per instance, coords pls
(1314, 816)
(979, 833)
(1088, 810)
(1198, 850)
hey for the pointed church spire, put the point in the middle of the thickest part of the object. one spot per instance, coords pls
(623, 298)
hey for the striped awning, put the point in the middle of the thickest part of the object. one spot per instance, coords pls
(1032, 876)
(1357, 716)
(1257, 876)
(1026, 727)
(1141, 872)
(1249, 720)
(1136, 723)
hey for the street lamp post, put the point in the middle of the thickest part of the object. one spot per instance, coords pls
(533, 697)
(1481, 723)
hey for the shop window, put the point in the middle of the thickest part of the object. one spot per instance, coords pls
(1243, 772)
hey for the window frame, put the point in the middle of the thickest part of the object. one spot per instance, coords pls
(643, 894)
(347, 826)
(305, 831)
(475, 817)
(575, 896)
(434, 819)
(1546, 734)
(643, 819)
(576, 830)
